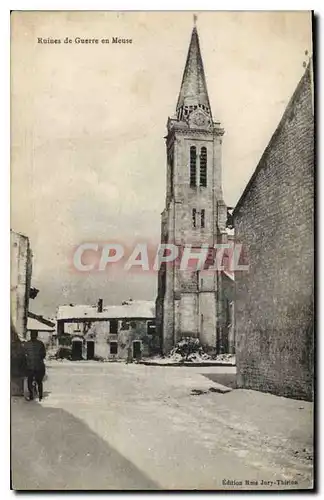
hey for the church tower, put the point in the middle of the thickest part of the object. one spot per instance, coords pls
(189, 302)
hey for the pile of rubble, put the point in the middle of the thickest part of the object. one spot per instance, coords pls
(226, 357)
(188, 349)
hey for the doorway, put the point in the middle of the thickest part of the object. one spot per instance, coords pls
(90, 349)
(137, 349)
(76, 350)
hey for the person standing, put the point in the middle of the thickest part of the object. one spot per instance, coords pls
(35, 355)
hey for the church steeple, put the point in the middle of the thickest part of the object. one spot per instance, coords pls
(194, 215)
(193, 92)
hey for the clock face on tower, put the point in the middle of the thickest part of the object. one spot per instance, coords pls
(199, 119)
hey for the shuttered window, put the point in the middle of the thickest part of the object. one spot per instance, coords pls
(193, 163)
(203, 167)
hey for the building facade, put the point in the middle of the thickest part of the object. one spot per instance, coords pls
(124, 331)
(274, 220)
(190, 302)
(44, 327)
(20, 280)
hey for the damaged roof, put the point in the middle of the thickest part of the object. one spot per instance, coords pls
(34, 324)
(141, 309)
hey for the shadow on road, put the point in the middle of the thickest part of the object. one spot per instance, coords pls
(53, 450)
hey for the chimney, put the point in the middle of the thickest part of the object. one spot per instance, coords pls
(100, 306)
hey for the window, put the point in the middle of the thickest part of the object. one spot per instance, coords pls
(113, 347)
(113, 326)
(193, 160)
(202, 218)
(203, 167)
(194, 211)
(150, 327)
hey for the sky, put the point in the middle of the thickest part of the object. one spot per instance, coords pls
(88, 121)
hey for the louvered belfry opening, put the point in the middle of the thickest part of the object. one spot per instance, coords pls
(193, 166)
(203, 167)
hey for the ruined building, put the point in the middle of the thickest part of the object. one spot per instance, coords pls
(274, 220)
(191, 302)
(20, 280)
(125, 331)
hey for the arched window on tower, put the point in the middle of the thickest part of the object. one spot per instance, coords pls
(203, 167)
(193, 161)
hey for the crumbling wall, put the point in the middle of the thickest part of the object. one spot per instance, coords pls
(20, 280)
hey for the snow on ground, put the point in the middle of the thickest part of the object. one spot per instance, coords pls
(111, 425)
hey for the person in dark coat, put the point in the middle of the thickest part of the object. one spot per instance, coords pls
(35, 355)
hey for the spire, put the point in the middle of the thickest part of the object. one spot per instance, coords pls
(193, 91)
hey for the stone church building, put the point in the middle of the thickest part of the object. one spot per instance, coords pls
(192, 302)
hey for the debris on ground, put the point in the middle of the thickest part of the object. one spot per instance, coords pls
(197, 392)
(219, 390)
(229, 358)
(63, 352)
(188, 349)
